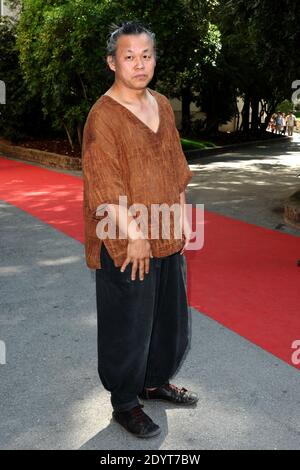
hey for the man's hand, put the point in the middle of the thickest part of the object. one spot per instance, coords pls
(139, 254)
(187, 235)
(186, 227)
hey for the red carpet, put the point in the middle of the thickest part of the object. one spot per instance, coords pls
(245, 277)
(51, 196)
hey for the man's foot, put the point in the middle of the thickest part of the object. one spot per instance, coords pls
(137, 422)
(171, 393)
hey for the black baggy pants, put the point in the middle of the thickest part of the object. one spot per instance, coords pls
(143, 326)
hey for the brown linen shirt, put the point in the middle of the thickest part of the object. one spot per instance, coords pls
(122, 156)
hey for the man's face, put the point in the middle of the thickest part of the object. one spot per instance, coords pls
(134, 62)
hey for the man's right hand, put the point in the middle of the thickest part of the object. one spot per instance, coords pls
(139, 254)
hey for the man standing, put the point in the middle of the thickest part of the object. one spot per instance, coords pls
(291, 122)
(131, 148)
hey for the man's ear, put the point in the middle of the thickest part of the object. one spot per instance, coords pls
(111, 63)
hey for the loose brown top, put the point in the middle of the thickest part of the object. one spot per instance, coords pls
(122, 156)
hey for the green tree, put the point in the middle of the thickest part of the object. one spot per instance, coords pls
(186, 42)
(62, 52)
(276, 37)
(61, 46)
(21, 115)
(285, 106)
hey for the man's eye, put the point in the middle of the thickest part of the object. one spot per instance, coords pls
(129, 57)
(147, 56)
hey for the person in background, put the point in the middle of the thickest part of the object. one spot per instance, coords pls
(291, 122)
(279, 123)
(283, 131)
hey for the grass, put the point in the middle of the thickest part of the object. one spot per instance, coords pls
(188, 144)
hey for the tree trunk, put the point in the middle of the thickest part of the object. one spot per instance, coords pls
(245, 114)
(79, 134)
(68, 135)
(212, 125)
(237, 115)
(270, 111)
(83, 87)
(254, 114)
(185, 109)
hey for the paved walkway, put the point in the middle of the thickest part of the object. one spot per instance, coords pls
(249, 184)
(51, 397)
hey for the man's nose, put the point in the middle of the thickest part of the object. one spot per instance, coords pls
(139, 63)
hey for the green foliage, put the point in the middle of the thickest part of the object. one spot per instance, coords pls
(285, 106)
(277, 38)
(185, 38)
(209, 52)
(188, 144)
(21, 115)
(62, 51)
(61, 46)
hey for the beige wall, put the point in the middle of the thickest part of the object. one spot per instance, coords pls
(230, 126)
(196, 114)
(4, 10)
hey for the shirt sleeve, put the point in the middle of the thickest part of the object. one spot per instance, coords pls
(184, 174)
(102, 175)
